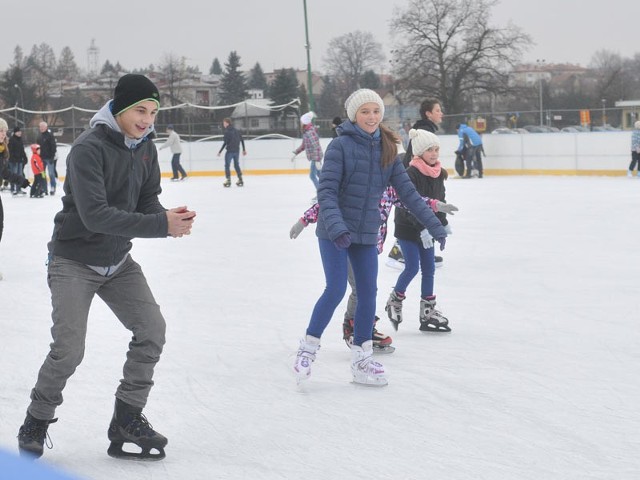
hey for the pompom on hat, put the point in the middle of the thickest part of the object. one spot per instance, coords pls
(307, 118)
(3, 124)
(422, 140)
(359, 98)
(637, 125)
(131, 90)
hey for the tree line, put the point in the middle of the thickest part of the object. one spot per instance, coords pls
(447, 49)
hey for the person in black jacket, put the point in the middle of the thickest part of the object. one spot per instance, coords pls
(17, 159)
(431, 117)
(5, 172)
(231, 141)
(428, 176)
(111, 194)
(48, 153)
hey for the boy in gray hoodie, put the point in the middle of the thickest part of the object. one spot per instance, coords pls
(110, 196)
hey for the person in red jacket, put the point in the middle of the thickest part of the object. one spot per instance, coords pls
(39, 176)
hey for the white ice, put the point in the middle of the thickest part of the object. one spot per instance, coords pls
(538, 380)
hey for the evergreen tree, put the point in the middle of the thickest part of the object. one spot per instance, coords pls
(215, 69)
(284, 87)
(283, 90)
(67, 67)
(108, 69)
(257, 80)
(233, 86)
(329, 103)
(370, 80)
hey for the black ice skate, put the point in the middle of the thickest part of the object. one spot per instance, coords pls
(129, 425)
(432, 320)
(33, 435)
(395, 258)
(240, 183)
(381, 342)
(227, 183)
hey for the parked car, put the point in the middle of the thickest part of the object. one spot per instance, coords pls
(604, 128)
(503, 130)
(575, 129)
(535, 129)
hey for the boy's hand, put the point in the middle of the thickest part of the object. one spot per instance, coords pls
(179, 221)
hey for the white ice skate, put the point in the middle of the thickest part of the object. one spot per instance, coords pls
(305, 357)
(365, 370)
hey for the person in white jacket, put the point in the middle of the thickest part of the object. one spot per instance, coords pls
(173, 142)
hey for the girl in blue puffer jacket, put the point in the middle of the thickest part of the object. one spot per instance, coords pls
(358, 166)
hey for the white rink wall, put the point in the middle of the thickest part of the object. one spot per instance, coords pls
(593, 153)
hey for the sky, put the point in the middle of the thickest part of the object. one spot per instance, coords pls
(138, 34)
(537, 380)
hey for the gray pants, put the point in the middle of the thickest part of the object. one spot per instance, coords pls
(350, 313)
(126, 292)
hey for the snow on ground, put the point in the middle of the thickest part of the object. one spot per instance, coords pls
(538, 380)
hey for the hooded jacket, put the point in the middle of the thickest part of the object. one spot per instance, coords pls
(352, 182)
(110, 195)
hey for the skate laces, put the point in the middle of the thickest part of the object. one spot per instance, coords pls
(370, 366)
(139, 426)
(305, 354)
(37, 431)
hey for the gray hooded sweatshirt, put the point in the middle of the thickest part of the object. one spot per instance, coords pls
(110, 195)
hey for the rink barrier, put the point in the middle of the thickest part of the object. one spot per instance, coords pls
(592, 153)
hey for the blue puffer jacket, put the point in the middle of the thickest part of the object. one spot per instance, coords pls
(351, 183)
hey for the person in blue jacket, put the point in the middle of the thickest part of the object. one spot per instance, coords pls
(358, 166)
(473, 155)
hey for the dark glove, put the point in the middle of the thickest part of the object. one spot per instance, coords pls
(441, 241)
(25, 184)
(343, 241)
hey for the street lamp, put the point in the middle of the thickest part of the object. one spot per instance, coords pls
(15, 85)
(604, 113)
(540, 63)
(308, 47)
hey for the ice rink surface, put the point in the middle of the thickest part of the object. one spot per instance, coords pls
(539, 378)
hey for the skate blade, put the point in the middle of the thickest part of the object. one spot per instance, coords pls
(390, 262)
(435, 329)
(384, 350)
(394, 324)
(145, 455)
(383, 382)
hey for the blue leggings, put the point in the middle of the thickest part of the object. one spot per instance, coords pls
(364, 261)
(416, 257)
(314, 174)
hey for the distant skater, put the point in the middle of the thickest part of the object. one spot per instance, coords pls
(173, 143)
(231, 141)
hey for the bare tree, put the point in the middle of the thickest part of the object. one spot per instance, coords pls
(448, 50)
(350, 56)
(174, 73)
(609, 69)
(40, 71)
